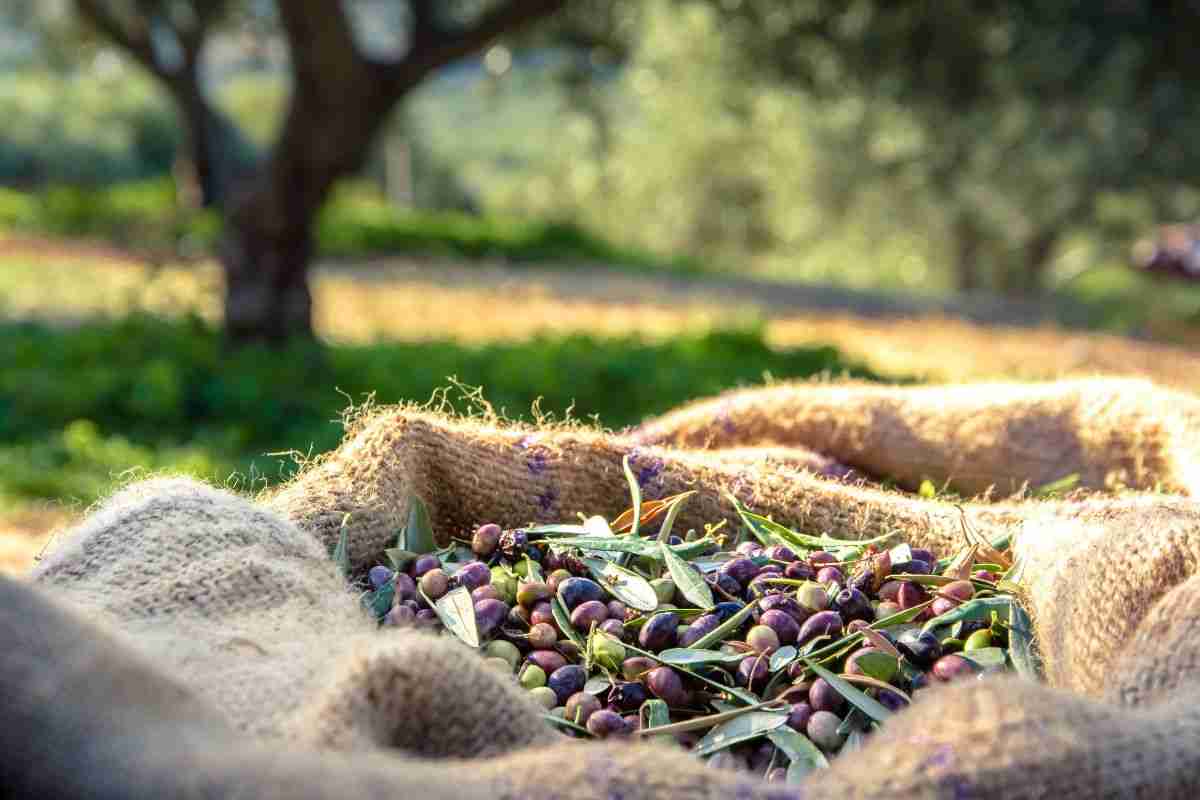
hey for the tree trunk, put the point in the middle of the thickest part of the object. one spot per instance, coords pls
(220, 156)
(267, 297)
(967, 244)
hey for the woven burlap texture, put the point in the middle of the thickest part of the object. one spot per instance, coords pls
(245, 665)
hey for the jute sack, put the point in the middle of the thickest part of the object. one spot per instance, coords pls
(187, 642)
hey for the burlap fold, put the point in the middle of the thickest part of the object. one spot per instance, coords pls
(231, 618)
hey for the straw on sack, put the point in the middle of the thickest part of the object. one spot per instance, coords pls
(238, 604)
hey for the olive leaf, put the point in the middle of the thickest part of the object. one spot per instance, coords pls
(977, 610)
(726, 628)
(880, 642)
(740, 729)
(400, 558)
(597, 684)
(457, 613)
(745, 697)
(781, 658)
(760, 525)
(664, 532)
(1064, 484)
(691, 656)
(635, 494)
(690, 583)
(564, 723)
(654, 714)
(874, 683)
(533, 570)
(341, 553)
(626, 585)
(564, 622)
(986, 657)
(801, 752)
(1021, 649)
(857, 698)
(418, 533)
(381, 600)
(878, 664)
(556, 529)
(855, 721)
(597, 528)
(637, 547)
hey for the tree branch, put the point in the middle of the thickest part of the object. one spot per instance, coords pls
(441, 47)
(136, 42)
(321, 44)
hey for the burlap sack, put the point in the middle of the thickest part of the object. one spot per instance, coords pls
(187, 642)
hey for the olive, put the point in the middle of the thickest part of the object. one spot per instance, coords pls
(434, 583)
(779, 552)
(853, 604)
(607, 651)
(921, 554)
(473, 574)
(542, 636)
(605, 723)
(666, 685)
(555, 578)
(785, 603)
(569, 649)
(499, 648)
(592, 612)
(617, 610)
(727, 609)
(664, 589)
(824, 623)
(985, 575)
(749, 549)
(920, 648)
(379, 576)
(532, 676)
(531, 593)
(813, 597)
(823, 697)
(405, 587)
(770, 569)
(799, 571)
(951, 645)
(821, 557)
(889, 591)
(762, 639)
(613, 627)
(424, 564)
(890, 700)
(400, 615)
(798, 716)
(726, 583)
(856, 625)
(426, 616)
(548, 660)
(518, 617)
(488, 616)
(741, 570)
(962, 591)
(978, 640)
(752, 670)
(701, 626)
(566, 681)
(911, 594)
(830, 575)
(952, 667)
(580, 706)
(823, 730)
(784, 625)
(941, 605)
(576, 591)
(505, 583)
(635, 667)
(891, 670)
(659, 631)
(886, 609)
(544, 696)
(628, 696)
(486, 539)
(542, 612)
(485, 593)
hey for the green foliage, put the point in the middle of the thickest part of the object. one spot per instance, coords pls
(158, 394)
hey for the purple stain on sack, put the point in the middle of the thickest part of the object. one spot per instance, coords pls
(646, 468)
(724, 417)
(546, 500)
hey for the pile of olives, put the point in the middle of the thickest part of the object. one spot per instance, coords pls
(771, 652)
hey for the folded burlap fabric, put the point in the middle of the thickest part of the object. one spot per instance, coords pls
(184, 641)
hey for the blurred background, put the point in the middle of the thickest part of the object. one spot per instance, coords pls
(224, 221)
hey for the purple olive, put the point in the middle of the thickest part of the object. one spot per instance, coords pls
(530, 593)
(911, 594)
(518, 617)
(379, 575)
(489, 614)
(952, 667)
(566, 681)
(635, 667)
(488, 592)
(726, 583)
(784, 625)
(830, 575)
(823, 697)
(779, 552)
(613, 627)
(542, 636)
(549, 660)
(424, 564)
(542, 612)
(576, 591)
(823, 623)
(823, 730)
(473, 574)
(399, 616)
(617, 610)
(701, 626)
(585, 614)
(921, 554)
(486, 539)
(985, 575)
(798, 716)
(666, 685)
(962, 591)
(580, 706)
(770, 569)
(555, 578)
(853, 604)
(941, 605)
(821, 557)
(627, 696)
(605, 723)
(890, 591)
(741, 570)
(752, 671)
(890, 700)
(749, 549)
(785, 603)
(426, 616)
(406, 587)
(659, 631)
(799, 571)
(856, 625)
(919, 648)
